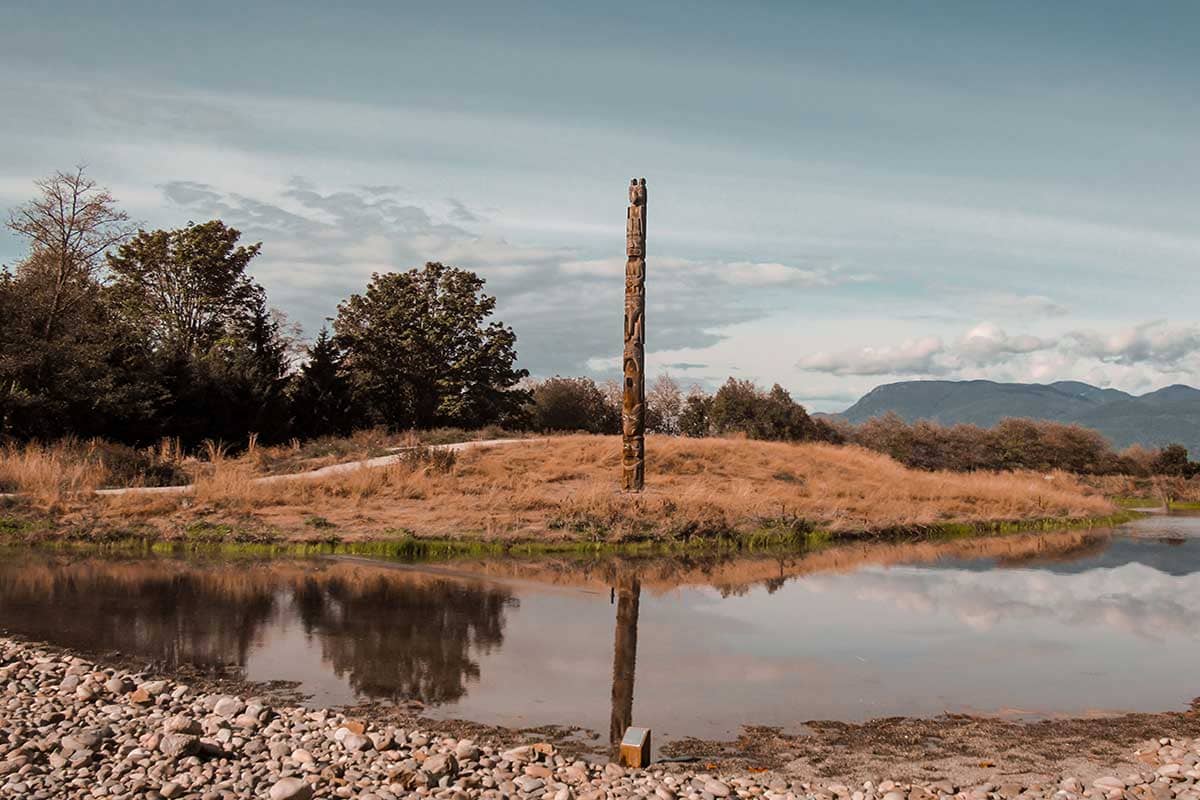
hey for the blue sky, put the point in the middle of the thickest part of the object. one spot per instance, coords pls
(841, 195)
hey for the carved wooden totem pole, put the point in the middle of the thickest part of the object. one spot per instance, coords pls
(633, 403)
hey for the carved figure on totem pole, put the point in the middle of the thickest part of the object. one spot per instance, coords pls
(633, 400)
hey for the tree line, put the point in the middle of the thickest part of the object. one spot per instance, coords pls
(133, 335)
(740, 408)
(107, 330)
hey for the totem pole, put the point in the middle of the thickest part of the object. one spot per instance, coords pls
(633, 402)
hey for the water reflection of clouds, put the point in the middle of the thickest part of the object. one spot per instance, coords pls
(1132, 598)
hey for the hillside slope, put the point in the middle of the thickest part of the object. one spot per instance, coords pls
(1162, 417)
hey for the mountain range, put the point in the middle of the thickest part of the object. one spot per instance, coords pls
(1165, 416)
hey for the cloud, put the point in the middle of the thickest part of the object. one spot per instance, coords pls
(1013, 304)
(460, 213)
(321, 245)
(1155, 343)
(1135, 358)
(912, 357)
(750, 273)
(987, 344)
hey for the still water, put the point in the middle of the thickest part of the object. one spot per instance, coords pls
(1065, 623)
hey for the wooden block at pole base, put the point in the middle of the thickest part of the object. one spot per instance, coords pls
(635, 748)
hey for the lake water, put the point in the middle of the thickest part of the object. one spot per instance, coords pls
(1066, 623)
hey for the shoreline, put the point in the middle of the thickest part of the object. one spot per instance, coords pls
(26, 530)
(82, 726)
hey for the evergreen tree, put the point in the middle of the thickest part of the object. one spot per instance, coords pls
(322, 398)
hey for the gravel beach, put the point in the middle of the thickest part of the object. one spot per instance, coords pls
(72, 728)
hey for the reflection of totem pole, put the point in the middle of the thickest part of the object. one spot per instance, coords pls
(629, 593)
(633, 404)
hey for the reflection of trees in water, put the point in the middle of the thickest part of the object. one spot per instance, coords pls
(173, 617)
(402, 639)
(391, 633)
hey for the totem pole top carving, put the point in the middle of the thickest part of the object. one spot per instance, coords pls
(637, 191)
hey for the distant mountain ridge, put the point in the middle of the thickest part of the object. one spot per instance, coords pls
(1166, 416)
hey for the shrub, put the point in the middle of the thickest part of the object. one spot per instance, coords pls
(573, 404)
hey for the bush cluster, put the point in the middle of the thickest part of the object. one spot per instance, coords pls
(1011, 444)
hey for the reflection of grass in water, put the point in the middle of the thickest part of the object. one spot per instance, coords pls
(773, 537)
(242, 568)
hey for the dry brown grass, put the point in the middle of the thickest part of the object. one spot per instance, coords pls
(48, 476)
(567, 488)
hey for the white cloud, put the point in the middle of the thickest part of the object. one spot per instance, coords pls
(987, 344)
(1155, 343)
(1138, 358)
(749, 273)
(912, 357)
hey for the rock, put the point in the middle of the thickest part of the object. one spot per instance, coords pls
(170, 789)
(246, 721)
(520, 754)
(118, 685)
(466, 750)
(354, 742)
(182, 723)
(228, 707)
(290, 789)
(440, 766)
(140, 697)
(528, 783)
(154, 688)
(179, 745)
(86, 740)
(716, 788)
(1108, 782)
(302, 756)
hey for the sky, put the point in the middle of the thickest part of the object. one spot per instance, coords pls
(840, 194)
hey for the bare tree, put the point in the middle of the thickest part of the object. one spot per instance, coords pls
(69, 227)
(664, 404)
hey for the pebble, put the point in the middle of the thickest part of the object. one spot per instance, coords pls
(290, 789)
(71, 729)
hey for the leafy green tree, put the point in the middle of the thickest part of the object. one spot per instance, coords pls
(735, 408)
(1173, 460)
(217, 352)
(573, 404)
(694, 415)
(322, 396)
(185, 287)
(422, 353)
(780, 417)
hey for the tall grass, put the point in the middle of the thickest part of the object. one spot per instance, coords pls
(48, 475)
(566, 489)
